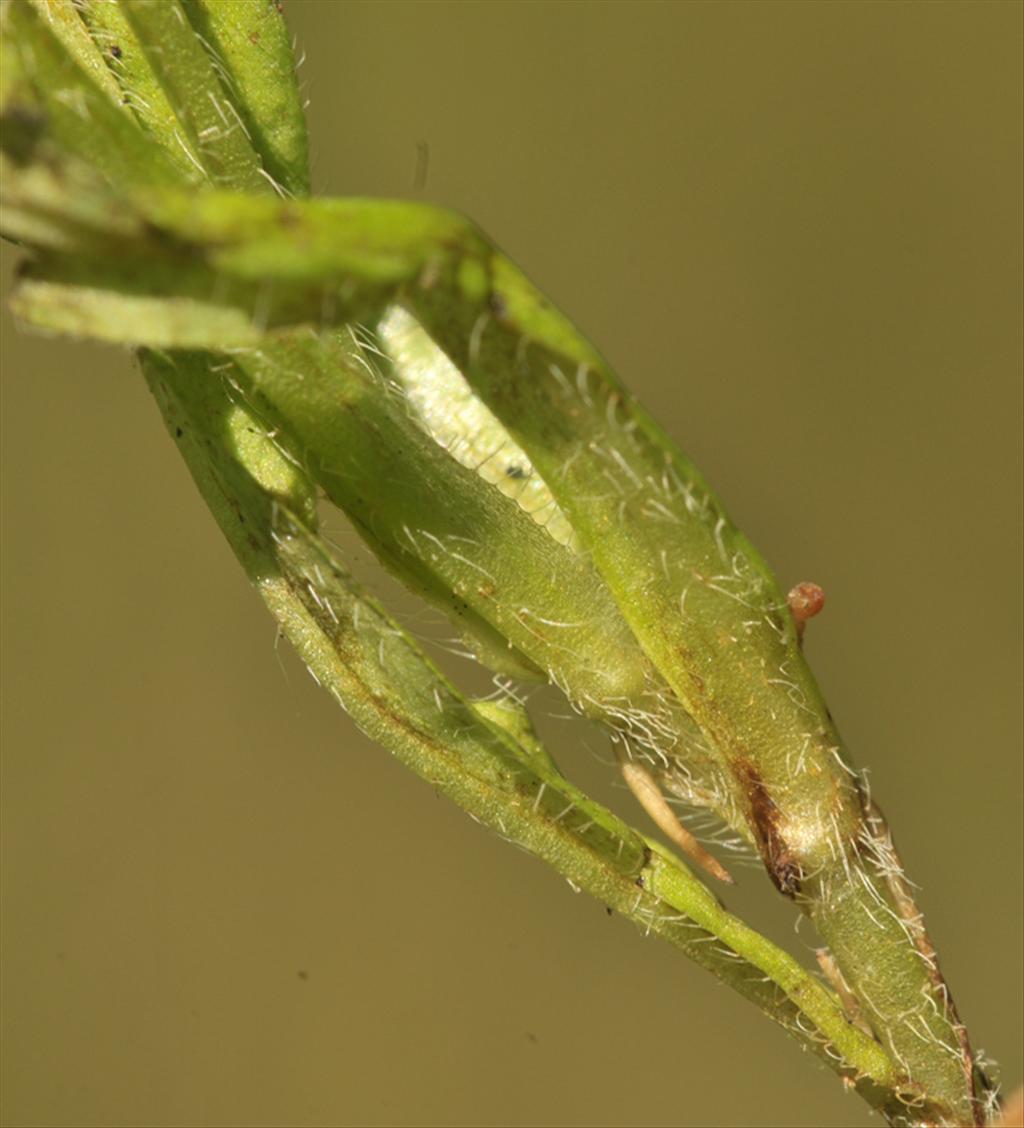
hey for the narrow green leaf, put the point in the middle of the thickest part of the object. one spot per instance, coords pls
(65, 207)
(77, 111)
(395, 694)
(60, 302)
(249, 45)
(64, 20)
(138, 84)
(210, 121)
(524, 602)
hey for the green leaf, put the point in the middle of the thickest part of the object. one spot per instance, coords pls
(250, 49)
(139, 85)
(74, 102)
(394, 693)
(210, 122)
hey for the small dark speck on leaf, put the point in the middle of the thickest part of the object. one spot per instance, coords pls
(609, 910)
(516, 472)
(254, 37)
(178, 432)
(116, 51)
(303, 975)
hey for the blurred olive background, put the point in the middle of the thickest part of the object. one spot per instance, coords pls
(795, 229)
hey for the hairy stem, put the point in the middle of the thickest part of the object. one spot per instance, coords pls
(145, 146)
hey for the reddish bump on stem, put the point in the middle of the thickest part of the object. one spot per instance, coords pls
(805, 601)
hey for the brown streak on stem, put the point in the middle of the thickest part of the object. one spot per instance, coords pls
(780, 861)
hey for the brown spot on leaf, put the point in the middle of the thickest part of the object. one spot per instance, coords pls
(499, 307)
